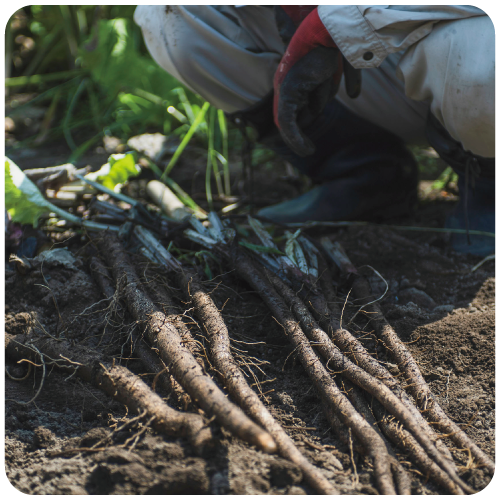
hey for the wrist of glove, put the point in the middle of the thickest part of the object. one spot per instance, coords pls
(308, 76)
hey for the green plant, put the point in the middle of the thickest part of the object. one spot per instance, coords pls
(89, 66)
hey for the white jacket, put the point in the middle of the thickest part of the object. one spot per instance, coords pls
(417, 58)
(367, 34)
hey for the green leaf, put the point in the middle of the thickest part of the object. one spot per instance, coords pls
(23, 200)
(208, 271)
(192, 129)
(117, 171)
(447, 176)
(112, 55)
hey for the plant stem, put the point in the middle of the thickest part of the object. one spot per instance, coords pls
(212, 152)
(225, 150)
(20, 81)
(67, 117)
(184, 142)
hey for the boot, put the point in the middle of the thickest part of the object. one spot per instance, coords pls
(476, 188)
(362, 171)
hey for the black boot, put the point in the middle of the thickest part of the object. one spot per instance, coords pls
(476, 186)
(363, 171)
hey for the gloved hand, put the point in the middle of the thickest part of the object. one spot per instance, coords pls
(308, 75)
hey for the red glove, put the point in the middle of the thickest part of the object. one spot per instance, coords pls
(307, 77)
(289, 17)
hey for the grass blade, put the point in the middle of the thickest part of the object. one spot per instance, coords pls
(225, 150)
(20, 81)
(67, 117)
(212, 153)
(184, 197)
(199, 118)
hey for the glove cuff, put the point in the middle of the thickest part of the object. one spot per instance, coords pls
(312, 32)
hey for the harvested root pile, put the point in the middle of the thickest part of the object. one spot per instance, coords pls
(161, 332)
(374, 412)
(338, 353)
(236, 383)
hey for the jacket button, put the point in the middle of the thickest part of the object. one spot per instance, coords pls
(368, 56)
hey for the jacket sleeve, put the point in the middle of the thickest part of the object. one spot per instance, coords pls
(367, 34)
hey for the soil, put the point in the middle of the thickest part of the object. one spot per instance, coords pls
(439, 307)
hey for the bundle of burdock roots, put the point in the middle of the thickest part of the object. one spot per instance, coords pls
(302, 282)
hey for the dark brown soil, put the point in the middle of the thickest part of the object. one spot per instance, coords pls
(442, 310)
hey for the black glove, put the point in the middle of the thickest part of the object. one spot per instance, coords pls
(307, 78)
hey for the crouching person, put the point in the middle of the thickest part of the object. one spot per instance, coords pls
(294, 74)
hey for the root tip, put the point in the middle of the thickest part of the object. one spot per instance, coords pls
(267, 444)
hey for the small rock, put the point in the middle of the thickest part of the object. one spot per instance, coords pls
(418, 297)
(447, 308)
(153, 145)
(405, 283)
(43, 437)
(112, 144)
(410, 309)
(57, 256)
